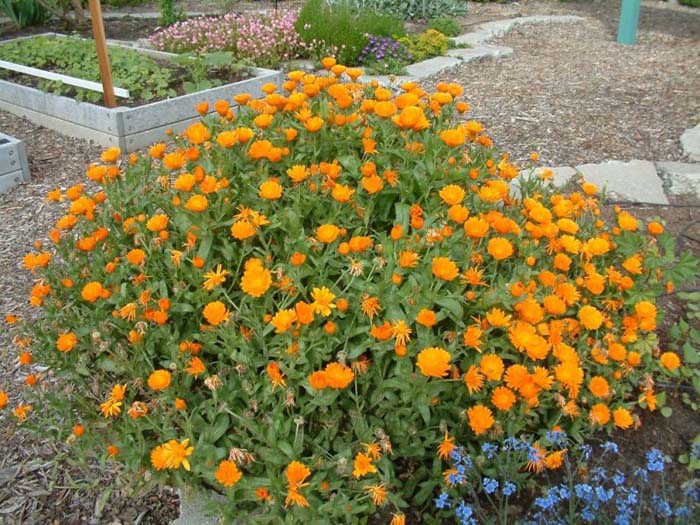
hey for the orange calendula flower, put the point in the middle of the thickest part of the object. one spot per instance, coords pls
(503, 398)
(338, 376)
(271, 189)
(670, 360)
(362, 465)
(256, 278)
(323, 301)
(296, 474)
(434, 362)
(275, 374)
(66, 342)
(599, 414)
(473, 379)
(172, 455)
(452, 194)
(284, 320)
(215, 313)
(327, 233)
(159, 380)
(227, 473)
(480, 419)
(4, 398)
(215, 278)
(408, 259)
(491, 365)
(590, 317)
(370, 306)
(197, 203)
(195, 367)
(622, 418)
(427, 318)
(445, 268)
(447, 445)
(499, 248)
(378, 493)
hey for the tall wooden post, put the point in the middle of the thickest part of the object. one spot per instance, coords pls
(629, 19)
(98, 32)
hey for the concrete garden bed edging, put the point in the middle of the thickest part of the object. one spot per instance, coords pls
(128, 128)
(14, 166)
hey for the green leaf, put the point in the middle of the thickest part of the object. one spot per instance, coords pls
(666, 411)
(691, 355)
(453, 305)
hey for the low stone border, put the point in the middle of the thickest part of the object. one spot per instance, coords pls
(479, 48)
(14, 166)
(690, 142)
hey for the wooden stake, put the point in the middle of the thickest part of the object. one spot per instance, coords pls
(98, 31)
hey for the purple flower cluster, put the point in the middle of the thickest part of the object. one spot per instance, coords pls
(266, 38)
(381, 49)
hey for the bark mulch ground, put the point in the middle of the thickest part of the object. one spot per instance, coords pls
(568, 92)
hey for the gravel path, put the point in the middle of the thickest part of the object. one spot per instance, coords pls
(568, 92)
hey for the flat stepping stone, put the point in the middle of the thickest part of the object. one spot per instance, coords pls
(690, 142)
(680, 178)
(194, 508)
(481, 52)
(431, 66)
(633, 181)
(490, 30)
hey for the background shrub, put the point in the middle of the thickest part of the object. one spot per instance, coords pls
(408, 9)
(430, 43)
(446, 26)
(343, 29)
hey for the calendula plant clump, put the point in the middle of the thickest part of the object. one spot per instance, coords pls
(300, 300)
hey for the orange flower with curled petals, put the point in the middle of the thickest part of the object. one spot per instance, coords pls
(503, 398)
(327, 233)
(476, 227)
(197, 203)
(215, 313)
(427, 318)
(159, 380)
(385, 109)
(338, 376)
(256, 278)
(670, 360)
(434, 362)
(499, 248)
(590, 317)
(452, 194)
(171, 455)
(227, 473)
(271, 189)
(453, 138)
(93, 291)
(599, 387)
(66, 342)
(110, 155)
(362, 465)
(622, 418)
(157, 223)
(473, 380)
(626, 221)
(317, 380)
(491, 365)
(313, 124)
(227, 139)
(480, 419)
(284, 320)
(197, 133)
(445, 268)
(175, 160)
(242, 230)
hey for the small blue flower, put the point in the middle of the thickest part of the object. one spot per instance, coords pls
(583, 491)
(662, 506)
(655, 460)
(442, 501)
(619, 478)
(604, 495)
(489, 450)
(556, 437)
(695, 450)
(642, 474)
(490, 485)
(610, 446)
(509, 489)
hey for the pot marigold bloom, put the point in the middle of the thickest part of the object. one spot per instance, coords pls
(446, 446)
(503, 398)
(271, 189)
(626, 221)
(93, 291)
(338, 376)
(242, 230)
(215, 313)
(275, 374)
(296, 474)
(256, 278)
(172, 455)
(480, 419)
(323, 301)
(476, 227)
(599, 387)
(427, 318)
(434, 362)
(590, 317)
(111, 155)
(111, 407)
(159, 380)
(227, 473)
(500, 248)
(453, 138)
(492, 367)
(362, 465)
(197, 133)
(445, 268)
(4, 398)
(327, 233)
(157, 223)
(197, 203)
(185, 182)
(137, 410)
(313, 124)
(112, 451)
(284, 320)
(175, 160)
(498, 318)
(408, 259)
(66, 342)
(655, 228)
(633, 264)
(452, 194)
(372, 184)
(398, 519)
(297, 259)
(670, 360)
(196, 367)
(370, 306)
(136, 256)
(622, 418)
(317, 380)
(599, 415)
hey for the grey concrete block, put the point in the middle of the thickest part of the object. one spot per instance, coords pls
(432, 66)
(480, 52)
(680, 178)
(690, 142)
(10, 180)
(195, 507)
(634, 181)
(14, 165)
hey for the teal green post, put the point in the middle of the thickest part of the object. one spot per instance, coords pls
(629, 19)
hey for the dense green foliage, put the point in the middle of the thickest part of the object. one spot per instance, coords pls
(424, 45)
(24, 13)
(446, 25)
(142, 76)
(343, 30)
